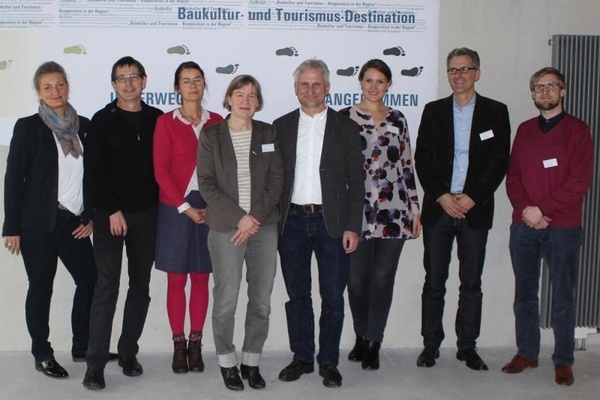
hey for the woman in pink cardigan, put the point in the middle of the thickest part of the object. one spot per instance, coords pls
(181, 248)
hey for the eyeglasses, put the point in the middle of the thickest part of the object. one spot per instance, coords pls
(130, 77)
(197, 81)
(548, 87)
(461, 70)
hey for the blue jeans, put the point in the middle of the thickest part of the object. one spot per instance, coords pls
(438, 240)
(560, 248)
(303, 234)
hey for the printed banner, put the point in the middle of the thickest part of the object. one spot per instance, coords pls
(264, 38)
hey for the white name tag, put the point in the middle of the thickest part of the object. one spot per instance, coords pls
(486, 135)
(551, 162)
(268, 148)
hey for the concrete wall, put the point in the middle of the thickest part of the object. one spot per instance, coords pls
(511, 37)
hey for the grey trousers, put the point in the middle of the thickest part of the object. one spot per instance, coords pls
(260, 255)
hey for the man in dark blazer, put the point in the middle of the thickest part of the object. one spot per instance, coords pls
(461, 158)
(320, 209)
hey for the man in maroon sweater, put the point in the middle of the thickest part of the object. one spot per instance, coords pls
(549, 173)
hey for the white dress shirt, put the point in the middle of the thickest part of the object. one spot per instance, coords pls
(307, 180)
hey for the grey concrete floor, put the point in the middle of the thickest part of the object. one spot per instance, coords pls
(398, 378)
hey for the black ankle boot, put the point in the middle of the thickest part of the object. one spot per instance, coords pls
(371, 355)
(180, 362)
(356, 354)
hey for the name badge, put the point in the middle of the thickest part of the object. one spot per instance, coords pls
(550, 163)
(486, 135)
(268, 148)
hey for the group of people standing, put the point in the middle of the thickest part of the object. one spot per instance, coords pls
(194, 193)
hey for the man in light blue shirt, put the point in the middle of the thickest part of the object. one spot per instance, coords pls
(461, 158)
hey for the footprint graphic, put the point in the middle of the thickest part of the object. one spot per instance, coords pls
(394, 51)
(75, 49)
(230, 69)
(287, 51)
(181, 50)
(5, 64)
(350, 71)
(415, 71)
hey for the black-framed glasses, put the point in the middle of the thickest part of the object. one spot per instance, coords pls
(461, 70)
(130, 77)
(548, 87)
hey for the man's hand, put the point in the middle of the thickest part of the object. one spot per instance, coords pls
(350, 241)
(532, 216)
(83, 231)
(464, 201)
(118, 225)
(451, 206)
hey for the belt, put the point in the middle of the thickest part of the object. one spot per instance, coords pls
(307, 208)
(61, 207)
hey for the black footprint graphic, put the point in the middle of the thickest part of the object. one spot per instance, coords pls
(416, 71)
(228, 70)
(394, 51)
(287, 51)
(181, 50)
(350, 71)
(5, 64)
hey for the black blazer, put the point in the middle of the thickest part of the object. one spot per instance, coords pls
(31, 180)
(341, 172)
(488, 157)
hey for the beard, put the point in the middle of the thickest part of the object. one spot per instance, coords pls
(546, 105)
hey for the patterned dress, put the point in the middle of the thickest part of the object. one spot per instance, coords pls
(391, 194)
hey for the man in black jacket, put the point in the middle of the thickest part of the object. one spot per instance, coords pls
(461, 159)
(321, 212)
(124, 196)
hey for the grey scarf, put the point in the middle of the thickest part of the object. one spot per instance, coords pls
(65, 129)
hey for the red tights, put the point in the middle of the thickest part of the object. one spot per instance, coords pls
(176, 301)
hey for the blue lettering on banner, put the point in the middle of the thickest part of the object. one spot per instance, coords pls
(391, 100)
(157, 98)
(208, 14)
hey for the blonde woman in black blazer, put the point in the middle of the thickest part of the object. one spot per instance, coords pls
(46, 215)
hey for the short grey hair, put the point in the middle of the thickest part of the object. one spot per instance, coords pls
(312, 63)
(464, 51)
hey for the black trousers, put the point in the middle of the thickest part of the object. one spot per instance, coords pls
(438, 240)
(41, 251)
(108, 249)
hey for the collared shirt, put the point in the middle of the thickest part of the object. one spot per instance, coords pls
(547, 124)
(193, 184)
(307, 180)
(70, 180)
(463, 116)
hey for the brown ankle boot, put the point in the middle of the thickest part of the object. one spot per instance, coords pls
(195, 356)
(180, 354)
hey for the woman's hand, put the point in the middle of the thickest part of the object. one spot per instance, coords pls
(118, 225)
(13, 244)
(196, 214)
(416, 230)
(83, 231)
(247, 226)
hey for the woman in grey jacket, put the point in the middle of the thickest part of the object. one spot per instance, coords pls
(240, 174)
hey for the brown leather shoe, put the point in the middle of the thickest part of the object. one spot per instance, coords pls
(518, 364)
(563, 375)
